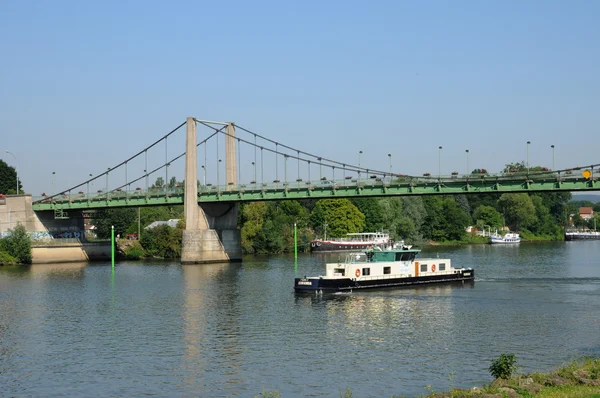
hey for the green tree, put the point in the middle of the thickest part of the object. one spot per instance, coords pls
(518, 210)
(18, 244)
(371, 208)
(8, 179)
(545, 223)
(121, 218)
(487, 215)
(159, 183)
(454, 220)
(163, 241)
(341, 216)
(431, 228)
(252, 216)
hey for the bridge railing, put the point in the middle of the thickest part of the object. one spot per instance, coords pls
(323, 183)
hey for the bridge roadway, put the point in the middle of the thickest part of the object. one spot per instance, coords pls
(347, 188)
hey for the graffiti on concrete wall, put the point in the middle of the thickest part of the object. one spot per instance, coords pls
(53, 233)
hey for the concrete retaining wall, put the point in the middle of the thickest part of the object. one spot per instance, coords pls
(71, 253)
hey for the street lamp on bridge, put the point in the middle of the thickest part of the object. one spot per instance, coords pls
(467, 152)
(552, 146)
(390, 158)
(528, 142)
(359, 155)
(53, 174)
(16, 169)
(88, 188)
(439, 162)
(254, 166)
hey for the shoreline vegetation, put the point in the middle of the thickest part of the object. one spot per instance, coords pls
(578, 379)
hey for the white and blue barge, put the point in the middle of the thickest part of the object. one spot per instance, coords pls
(391, 267)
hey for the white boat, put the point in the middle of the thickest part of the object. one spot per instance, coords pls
(582, 235)
(390, 267)
(352, 241)
(510, 237)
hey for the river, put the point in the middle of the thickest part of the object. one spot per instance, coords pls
(162, 329)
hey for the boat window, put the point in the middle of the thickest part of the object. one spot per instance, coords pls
(423, 267)
(366, 271)
(442, 267)
(387, 270)
(340, 271)
(405, 256)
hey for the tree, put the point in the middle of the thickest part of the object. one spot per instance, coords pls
(454, 220)
(18, 244)
(253, 216)
(121, 218)
(487, 215)
(341, 216)
(163, 241)
(371, 208)
(518, 210)
(159, 183)
(8, 179)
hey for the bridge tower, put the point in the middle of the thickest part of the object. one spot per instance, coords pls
(211, 233)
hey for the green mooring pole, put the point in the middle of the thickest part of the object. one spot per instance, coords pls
(295, 248)
(112, 246)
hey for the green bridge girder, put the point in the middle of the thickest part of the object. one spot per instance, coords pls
(318, 190)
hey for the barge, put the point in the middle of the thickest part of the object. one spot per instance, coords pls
(389, 267)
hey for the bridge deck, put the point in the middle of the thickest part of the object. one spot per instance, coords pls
(403, 186)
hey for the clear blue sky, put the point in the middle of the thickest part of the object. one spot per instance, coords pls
(83, 85)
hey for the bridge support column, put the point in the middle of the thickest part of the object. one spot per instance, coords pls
(211, 233)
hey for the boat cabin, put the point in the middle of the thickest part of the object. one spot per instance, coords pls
(378, 263)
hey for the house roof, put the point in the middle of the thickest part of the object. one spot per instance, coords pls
(171, 223)
(586, 210)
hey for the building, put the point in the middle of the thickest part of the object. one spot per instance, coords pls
(586, 213)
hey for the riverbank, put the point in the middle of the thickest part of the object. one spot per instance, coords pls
(580, 379)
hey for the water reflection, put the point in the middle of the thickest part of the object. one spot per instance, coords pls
(211, 317)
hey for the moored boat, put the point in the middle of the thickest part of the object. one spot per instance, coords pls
(390, 267)
(582, 235)
(352, 241)
(510, 237)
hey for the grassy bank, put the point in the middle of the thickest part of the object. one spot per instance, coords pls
(579, 379)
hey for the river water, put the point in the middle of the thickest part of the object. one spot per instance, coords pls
(163, 329)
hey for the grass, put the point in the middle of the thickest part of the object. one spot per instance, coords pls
(578, 379)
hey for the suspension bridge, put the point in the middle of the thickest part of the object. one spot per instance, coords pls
(275, 171)
(246, 166)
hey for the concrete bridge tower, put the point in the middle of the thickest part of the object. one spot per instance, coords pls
(211, 233)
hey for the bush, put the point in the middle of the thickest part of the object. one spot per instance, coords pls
(18, 244)
(503, 366)
(162, 241)
(7, 259)
(134, 252)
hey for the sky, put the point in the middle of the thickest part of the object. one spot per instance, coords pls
(85, 85)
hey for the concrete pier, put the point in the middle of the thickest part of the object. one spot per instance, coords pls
(211, 234)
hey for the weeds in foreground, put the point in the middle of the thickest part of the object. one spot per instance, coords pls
(268, 394)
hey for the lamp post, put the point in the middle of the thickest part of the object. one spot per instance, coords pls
(528, 142)
(552, 146)
(359, 155)
(107, 171)
(16, 169)
(218, 179)
(320, 169)
(439, 162)
(390, 158)
(467, 152)
(53, 174)
(204, 176)
(254, 166)
(88, 189)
